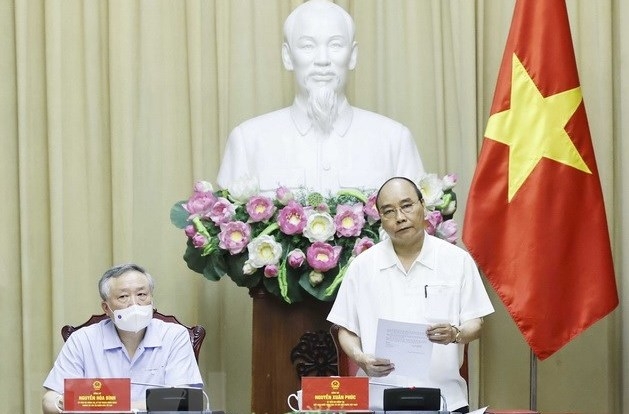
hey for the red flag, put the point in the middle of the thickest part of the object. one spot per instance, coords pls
(535, 220)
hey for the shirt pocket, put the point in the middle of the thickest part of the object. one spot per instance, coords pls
(155, 375)
(441, 303)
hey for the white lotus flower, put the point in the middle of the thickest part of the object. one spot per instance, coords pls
(319, 227)
(431, 187)
(244, 188)
(264, 250)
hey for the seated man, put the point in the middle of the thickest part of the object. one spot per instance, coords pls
(131, 344)
(417, 278)
(321, 142)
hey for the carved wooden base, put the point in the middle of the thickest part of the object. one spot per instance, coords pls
(277, 338)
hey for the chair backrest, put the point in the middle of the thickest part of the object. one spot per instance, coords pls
(197, 332)
(348, 368)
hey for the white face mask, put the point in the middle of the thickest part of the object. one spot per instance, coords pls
(134, 318)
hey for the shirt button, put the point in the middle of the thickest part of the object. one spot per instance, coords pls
(326, 167)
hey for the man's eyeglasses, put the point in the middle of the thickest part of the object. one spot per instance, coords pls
(389, 213)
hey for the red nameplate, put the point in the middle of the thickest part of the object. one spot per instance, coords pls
(335, 393)
(97, 394)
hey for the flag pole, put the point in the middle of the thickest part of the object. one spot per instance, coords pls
(533, 382)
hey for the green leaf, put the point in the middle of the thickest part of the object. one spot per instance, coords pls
(179, 216)
(292, 280)
(194, 260)
(233, 268)
(319, 290)
(214, 268)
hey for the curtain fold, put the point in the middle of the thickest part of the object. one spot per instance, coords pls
(111, 109)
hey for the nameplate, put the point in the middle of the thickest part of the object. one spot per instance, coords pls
(335, 393)
(97, 395)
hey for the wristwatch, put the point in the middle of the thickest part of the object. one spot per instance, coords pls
(457, 336)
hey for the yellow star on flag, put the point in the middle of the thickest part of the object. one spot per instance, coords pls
(534, 127)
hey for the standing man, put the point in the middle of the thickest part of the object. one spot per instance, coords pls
(411, 277)
(321, 142)
(130, 344)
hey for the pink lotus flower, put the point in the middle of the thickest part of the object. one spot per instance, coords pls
(271, 270)
(296, 258)
(199, 241)
(190, 230)
(292, 218)
(284, 195)
(370, 209)
(222, 211)
(260, 208)
(203, 187)
(447, 231)
(433, 219)
(349, 220)
(234, 236)
(361, 245)
(322, 208)
(322, 256)
(199, 205)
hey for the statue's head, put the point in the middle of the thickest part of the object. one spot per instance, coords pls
(319, 47)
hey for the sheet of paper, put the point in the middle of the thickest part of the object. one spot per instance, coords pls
(407, 346)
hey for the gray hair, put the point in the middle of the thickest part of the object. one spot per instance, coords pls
(317, 5)
(117, 271)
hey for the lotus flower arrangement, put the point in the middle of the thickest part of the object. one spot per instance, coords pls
(293, 243)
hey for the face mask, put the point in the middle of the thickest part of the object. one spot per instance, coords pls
(134, 318)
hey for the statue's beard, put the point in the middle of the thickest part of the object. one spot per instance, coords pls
(322, 108)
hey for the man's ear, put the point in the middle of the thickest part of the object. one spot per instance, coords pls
(288, 62)
(354, 56)
(106, 309)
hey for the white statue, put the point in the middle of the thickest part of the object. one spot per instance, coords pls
(320, 142)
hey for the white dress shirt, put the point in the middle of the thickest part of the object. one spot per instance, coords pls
(442, 285)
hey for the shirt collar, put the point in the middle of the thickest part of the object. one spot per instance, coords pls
(111, 340)
(426, 256)
(299, 114)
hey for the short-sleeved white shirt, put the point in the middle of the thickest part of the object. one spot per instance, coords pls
(164, 357)
(442, 285)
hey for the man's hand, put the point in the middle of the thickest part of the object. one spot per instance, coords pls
(52, 402)
(442, 333)
(374, 367)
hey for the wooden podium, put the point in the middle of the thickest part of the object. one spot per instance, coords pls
(288, 341)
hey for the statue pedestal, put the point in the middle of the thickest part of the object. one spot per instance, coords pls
(277, 329)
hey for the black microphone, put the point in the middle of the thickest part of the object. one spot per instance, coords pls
(184, 387)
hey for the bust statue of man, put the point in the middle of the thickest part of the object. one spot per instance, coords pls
(321, 142)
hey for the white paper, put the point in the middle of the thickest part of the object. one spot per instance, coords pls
(407, 346)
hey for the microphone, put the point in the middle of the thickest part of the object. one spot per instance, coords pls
(148, 384)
